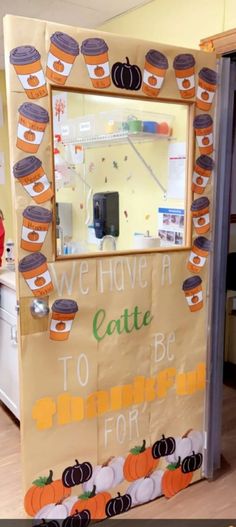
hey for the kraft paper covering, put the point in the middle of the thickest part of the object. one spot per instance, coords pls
(153, 282)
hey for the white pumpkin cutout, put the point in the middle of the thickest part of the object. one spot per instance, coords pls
(197, 439)
(106, 476)
(53, 511)
(185, 446)
(146, 489)
(69, 502)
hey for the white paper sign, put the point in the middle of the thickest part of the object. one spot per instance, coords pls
(177, 170)
(171, 226)
(59, 102)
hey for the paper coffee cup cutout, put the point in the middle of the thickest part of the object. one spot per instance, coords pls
(199, 253)
(35, 271)
(61, 57)
(202, 173)
(155, 67)
(36, 222)
(203, 125)
(184, 66)
(27, 65)
(32, 123)
(63, 314)
(192, 288)
(29, 172)
(95, 52)
(200, 215)
(206, 88)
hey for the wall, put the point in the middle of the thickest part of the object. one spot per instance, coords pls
(181, 23)
(5, 190)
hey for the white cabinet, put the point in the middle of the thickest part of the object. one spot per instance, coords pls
(9, 367)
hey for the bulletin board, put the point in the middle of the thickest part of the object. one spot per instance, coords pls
(113, 379)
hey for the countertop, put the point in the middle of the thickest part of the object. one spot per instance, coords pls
(8, 278)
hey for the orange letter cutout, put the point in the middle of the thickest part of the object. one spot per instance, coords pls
(97, 404)
(165, 379)
(42, 412)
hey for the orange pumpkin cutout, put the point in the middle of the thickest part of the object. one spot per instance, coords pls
(205, 95)
(33, 81)
(99, 71)
(195, 299)
(152, 80)
(94, 503)
(60, 326)
(44, 491)
(205, 141)
(58, 66)
(139, 463)
(29, 136)
(201, 221)
(38, 187)
(186, 83)
(174, 480)
(39, 281)
(199, 180)
(196, 260)
(33, 236)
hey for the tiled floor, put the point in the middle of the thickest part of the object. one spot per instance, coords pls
(202, 500)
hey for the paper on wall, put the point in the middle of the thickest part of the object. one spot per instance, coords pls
(176, 170)
(59, 111)
(171, 226)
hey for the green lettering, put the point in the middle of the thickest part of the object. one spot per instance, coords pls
(136, 315)
(116, 326)
(147, 318)
(101, 314)
(126, 316)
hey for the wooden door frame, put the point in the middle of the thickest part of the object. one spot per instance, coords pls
(218, 267)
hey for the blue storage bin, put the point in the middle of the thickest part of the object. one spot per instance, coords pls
(150, 127)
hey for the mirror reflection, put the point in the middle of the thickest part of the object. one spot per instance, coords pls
(120, 172)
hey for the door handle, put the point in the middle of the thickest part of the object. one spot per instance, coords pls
(14, 335)
(39, 308)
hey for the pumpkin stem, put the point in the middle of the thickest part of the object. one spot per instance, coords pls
(178, 462)
(127, 60)
(76, 462)
(49, 480)
(118, 494)
(93, 493)
(186, 433)
(149, 473)
(163, 436)
(143, 447)
(108, 461)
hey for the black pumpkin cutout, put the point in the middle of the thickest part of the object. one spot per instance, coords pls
(192, 463)
(79, 519)
(78, 473)
(126, 76)
(118, 505)
(51, 523)
(163, 447)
